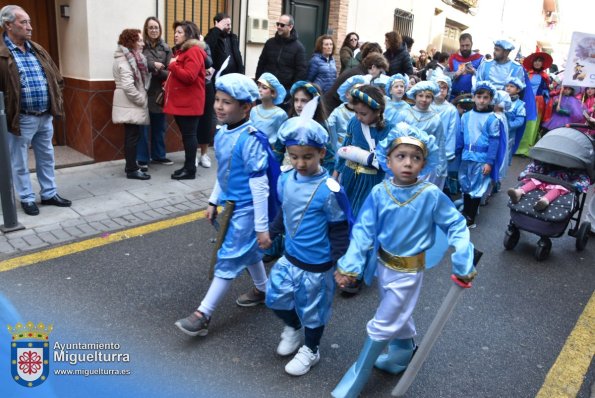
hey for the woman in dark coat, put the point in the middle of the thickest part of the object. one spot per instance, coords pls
(350, 44)
(397, 55)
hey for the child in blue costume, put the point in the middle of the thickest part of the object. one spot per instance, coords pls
(301, 286)
(339, 118)
(242, 160)
(301, 93)
(357, 168)
(268, 117)
(516, 116)
(451, 121)
(399, 220)
(424, 118)
(502, 106)
(478, 144)
(396, 88)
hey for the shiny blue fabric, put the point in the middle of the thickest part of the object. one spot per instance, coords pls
(471, 179)
(499, 74)
(337, 124)
(268, 120)
(308, 208)
(393, 109)
(309, 293)
(476, 130)
(249, 157)
(358, 186)
(406, 229)
(451, 123)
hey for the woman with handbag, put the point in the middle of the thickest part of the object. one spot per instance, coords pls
(132, 79)
(158, 55)
(185, 91)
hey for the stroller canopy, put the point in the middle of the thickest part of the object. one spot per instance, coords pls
(566, 147)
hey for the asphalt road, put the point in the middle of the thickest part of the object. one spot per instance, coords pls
(501, 340)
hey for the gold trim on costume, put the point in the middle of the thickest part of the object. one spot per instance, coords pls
(360, 169)
(410, 264)
(415, 195)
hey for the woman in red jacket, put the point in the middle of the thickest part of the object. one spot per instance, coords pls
(185, 91)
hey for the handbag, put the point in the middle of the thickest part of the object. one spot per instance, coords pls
(160, 97)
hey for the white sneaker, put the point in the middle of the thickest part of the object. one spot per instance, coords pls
(290, 341)
(302, 362)
(205, 161)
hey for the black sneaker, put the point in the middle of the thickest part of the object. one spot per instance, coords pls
(164, 161)
(195, 324)
(352, 289)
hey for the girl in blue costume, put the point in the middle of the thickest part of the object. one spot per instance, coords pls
(301, 286)
(423, 117)
(242, 160)
(395, 89)
(268, 117)
(301, 93)
(399, 220)
(339, 118)
(451, 122)
(357, 168)
(517, 114)
(478, 144)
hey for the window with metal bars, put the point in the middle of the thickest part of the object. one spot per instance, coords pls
(403, 22)
(201, 12)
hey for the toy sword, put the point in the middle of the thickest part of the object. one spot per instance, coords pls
(433, 331)
(221, 228)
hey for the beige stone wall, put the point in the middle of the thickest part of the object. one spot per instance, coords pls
(275, 8)
(337, 21)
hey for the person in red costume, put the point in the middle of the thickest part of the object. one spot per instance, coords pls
(462, 66)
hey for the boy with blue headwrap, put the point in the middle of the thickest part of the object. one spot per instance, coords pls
(396, 88)
(242, 186)
(479, 146)
(268, 116)
(399, 220)
(315, 214)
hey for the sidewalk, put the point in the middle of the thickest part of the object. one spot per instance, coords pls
(104, 200)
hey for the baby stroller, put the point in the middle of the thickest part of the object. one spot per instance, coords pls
(564, 147)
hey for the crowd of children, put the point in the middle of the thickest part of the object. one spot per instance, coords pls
(360, 194)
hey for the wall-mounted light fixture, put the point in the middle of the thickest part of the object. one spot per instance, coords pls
(65, 11)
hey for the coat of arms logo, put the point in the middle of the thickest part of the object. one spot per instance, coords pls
(30, 359)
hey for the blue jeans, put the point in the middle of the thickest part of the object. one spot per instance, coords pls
(36, 131)
(157, 139)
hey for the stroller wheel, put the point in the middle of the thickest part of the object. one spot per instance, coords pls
(511, 237)
(582, 235)
(542, 251)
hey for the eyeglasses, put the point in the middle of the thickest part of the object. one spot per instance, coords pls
(153, 28)
(281, 25)
(353, 39)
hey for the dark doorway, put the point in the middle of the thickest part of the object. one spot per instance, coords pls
(311, 18)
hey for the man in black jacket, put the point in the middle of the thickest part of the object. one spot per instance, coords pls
(284, 55)
(224, 44)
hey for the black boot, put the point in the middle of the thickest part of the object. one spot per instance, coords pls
(473, 206)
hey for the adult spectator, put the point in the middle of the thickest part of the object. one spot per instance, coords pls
(499, 70)
(462, 66)
(322, 69)
(206, 123)
(158, 54)
(284, 55)
(132, 78)
(223, 44)
(331, 97)
(32, 87)
(397, 55)
(438, 64)
(347, 52)
(185, 91)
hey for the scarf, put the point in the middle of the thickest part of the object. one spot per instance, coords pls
(138, 63)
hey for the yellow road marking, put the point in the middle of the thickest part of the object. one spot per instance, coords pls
(567, 374)
(77, 247)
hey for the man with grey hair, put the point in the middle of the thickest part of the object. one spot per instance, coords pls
(32, 87)
(284, 55)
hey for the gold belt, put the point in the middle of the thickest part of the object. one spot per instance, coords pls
(360, 168)
(403, 264)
